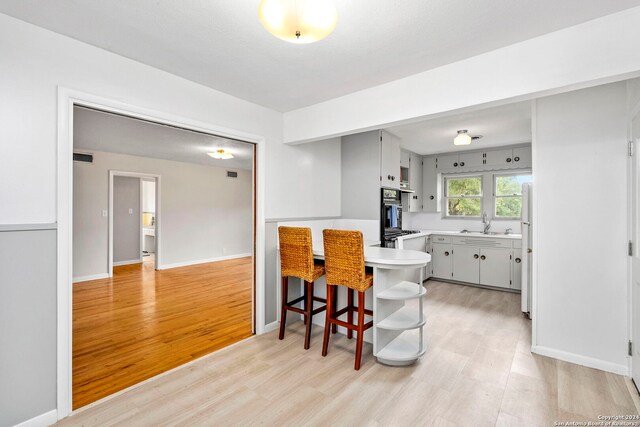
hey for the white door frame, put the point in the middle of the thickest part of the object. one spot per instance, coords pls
(67, 98)
(141, 175)
(634, 233)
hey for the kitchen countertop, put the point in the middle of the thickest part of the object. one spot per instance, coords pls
(375, 256)
(426, 233)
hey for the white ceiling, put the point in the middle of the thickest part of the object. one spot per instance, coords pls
(99, 131)
(221, 44)
(499, 126)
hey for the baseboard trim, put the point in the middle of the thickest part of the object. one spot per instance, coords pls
(128, 262)
(581, 360)
(271, 326)
(42, 420)
(202, 261)
(92, 277)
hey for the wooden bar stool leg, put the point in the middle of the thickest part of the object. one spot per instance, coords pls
(360, 337)
(327, 323)
(350, 312)
(304, 301)
(334, 327)
(283, 302)
(309, 313)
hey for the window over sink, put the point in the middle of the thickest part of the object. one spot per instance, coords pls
(507, 190)
(463, 196)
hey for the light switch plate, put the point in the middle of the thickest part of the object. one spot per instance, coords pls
(130, 211)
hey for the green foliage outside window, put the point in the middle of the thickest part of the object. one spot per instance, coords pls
(509, 195)
(464, 196)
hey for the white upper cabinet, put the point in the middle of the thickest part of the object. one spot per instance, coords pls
(521, 157)
(405, 158)
(415, 182)
(471, 161)
(448, 163)
(389, 160)
(499, 159)
(431, 188)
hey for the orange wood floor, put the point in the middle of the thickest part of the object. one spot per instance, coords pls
(143, 322)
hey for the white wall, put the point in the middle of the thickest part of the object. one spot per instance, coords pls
(580, 226)
(126, 219)
(35, 61)
(203, 213)
(595, 50)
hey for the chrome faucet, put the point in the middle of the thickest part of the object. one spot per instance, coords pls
(487, 223)
(508, 231)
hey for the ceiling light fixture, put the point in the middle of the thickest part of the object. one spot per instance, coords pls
(463, 138)
(298, 21)
(221, 154)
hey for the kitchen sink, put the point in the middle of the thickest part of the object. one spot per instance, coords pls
(489, 233)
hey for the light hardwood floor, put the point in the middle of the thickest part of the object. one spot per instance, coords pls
(478, 371)
(143, 322)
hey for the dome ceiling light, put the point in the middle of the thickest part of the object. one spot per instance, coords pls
(463, 138)
(221, 154)
(298, 21)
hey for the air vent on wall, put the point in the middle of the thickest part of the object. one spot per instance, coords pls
(82, 157)
(232, 174)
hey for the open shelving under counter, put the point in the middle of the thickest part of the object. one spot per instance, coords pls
(398, 316)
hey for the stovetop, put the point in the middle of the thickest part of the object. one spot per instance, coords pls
(393, 233)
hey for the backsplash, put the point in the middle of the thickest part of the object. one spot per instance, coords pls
(434, 221)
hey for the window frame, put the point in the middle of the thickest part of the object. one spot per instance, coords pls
(445, 198)
(495, 197)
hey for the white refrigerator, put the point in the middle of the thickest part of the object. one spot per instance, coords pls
(527, 233)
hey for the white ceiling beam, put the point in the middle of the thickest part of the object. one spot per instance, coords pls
(596, 52)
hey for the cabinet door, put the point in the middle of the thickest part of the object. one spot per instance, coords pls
(499, 159)
(448, 163)
(415, 183)
(521, 157)
(466, 264)
(441, 265)
(431, 188)
(389, 160)
(471, 161)
(404, 158)
(516, 271)
(495, 267)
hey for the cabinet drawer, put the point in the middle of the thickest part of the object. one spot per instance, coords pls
(482, 242)
(441, 239)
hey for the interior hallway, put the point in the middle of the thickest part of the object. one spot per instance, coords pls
(143, 322)
(477, 371)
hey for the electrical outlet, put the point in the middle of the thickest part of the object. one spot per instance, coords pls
(224, 250)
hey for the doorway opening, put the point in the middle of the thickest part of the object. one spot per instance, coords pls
(165, 273)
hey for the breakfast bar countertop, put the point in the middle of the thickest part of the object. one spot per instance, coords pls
(389, 257)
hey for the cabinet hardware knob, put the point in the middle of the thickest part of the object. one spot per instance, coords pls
(483, 257)
(430, 197)
(446, 253)
(516, 159)
(461, 163)
(455, 165)
(393, 178)
(508, 159)
(389, 177)
(518, 260)
(475, 256)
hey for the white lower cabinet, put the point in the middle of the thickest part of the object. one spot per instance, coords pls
(476, 260)
(516, 274)
(466, 264)
(495, 267)
(441, 260)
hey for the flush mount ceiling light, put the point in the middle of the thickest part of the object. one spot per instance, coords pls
(464, 138)
(221, 154)
(298, 21)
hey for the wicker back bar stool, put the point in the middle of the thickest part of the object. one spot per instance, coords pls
(344, 266)
(296, 260)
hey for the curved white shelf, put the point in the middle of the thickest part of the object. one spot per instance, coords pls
(403, 319)
(403, 290)
(405, 349)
